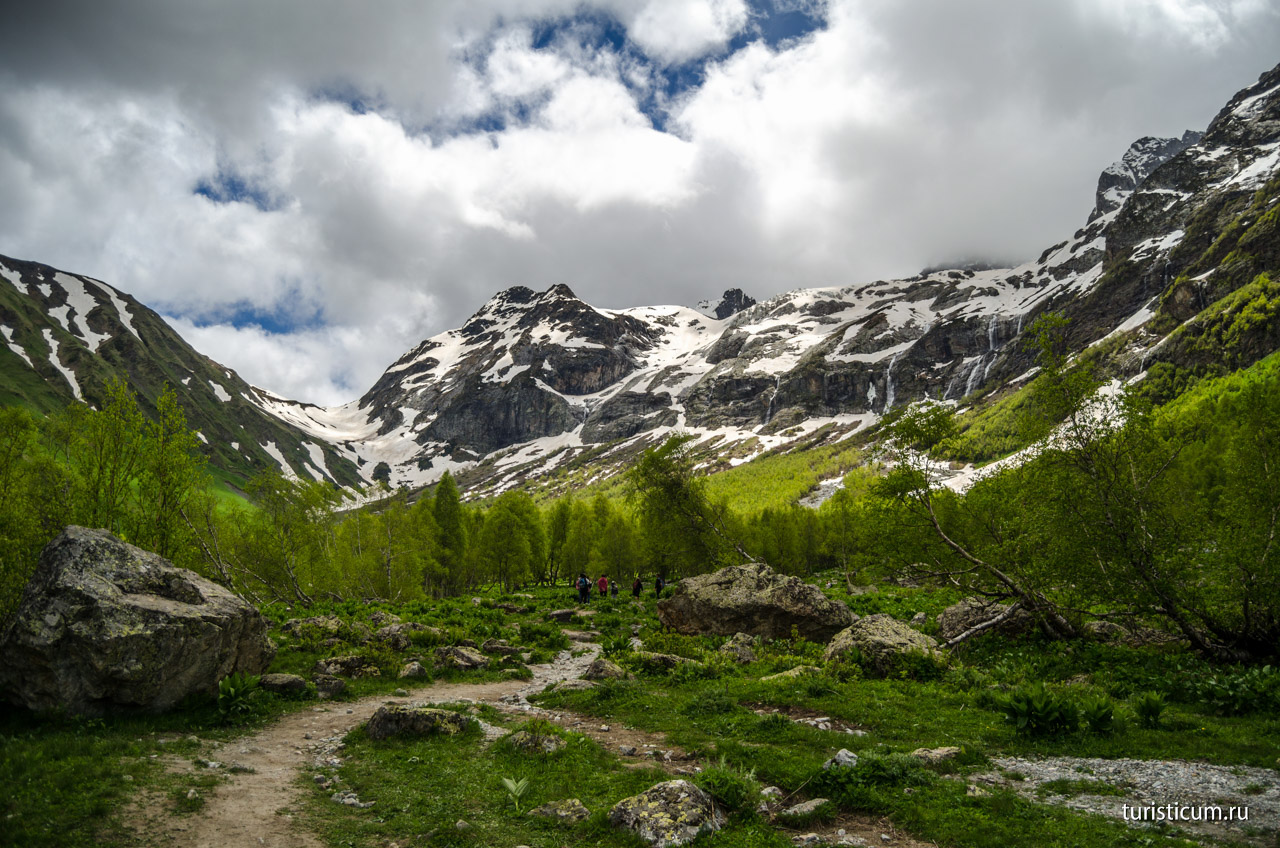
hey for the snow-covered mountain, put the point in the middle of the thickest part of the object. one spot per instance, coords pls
(536, 383)
(534, 380)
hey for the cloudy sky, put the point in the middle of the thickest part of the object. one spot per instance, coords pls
(307, 188)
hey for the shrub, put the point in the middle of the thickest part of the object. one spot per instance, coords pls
(237, 696)
(1035, 711)
(712, 703)
(1149, 706)
(732, 788)
(1098, 715)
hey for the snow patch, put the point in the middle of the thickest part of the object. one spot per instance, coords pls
(57, 363)
(14, 346)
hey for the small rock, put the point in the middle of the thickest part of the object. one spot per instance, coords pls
(329, 686)
(844, 758)
(192, 795)
(604, 728)
(806, 808)
(672, 813)
(627, 750)
(401, 720)
(283, 684)
(771, 792)
(401, 693)
(936, 755)
(806, 839)
(571, 810)
(413, 671)
(461, 825)
(975, 791)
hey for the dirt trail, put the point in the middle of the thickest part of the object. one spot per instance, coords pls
(252, 809)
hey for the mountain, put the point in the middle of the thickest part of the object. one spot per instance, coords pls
(66, 336)
(1165, 278)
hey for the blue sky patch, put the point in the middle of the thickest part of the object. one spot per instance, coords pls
(229, 187)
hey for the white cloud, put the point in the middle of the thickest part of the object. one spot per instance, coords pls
(885, 141)
(678, 30)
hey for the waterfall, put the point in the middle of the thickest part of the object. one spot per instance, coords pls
(973, 377)
(773, 399)
(888, 384)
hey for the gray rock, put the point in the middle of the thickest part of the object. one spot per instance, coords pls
(844, 758)
(329, 624)
(755, 600)
(329, 686)
(1105, 631)
(397, 635)
(535, 743)
(741, 648)
(413, 671)
(806, 808)
(347, 666)
(458, 656)
(936, 755)
(970, 612)
(403, 720)
(379, 618)
(603, 669)
(663, 661)
(672, 813)
(882, 640)
(792, 673)
(104, 627)
(498, 646)
(569, 811)
(283, 684)
(627, 750)
(562, 615)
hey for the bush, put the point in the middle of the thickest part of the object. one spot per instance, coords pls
(237, 696)
(1149, 706)
(1098, 715)
(732, 788)
(1249, 691)
(1035, 711)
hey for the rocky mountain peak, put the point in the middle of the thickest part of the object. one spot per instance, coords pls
(1119, 179)
(733, 302)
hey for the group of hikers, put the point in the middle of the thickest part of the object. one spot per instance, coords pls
(608, 587)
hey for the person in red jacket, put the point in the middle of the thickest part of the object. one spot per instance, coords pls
(603, 585)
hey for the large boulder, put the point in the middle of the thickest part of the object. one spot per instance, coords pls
(671, 813)
(106, 627)
(882, 641)
(400, 720)
(755, 600)
(970, 612)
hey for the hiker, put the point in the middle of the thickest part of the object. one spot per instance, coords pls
(613, 588)
(584, 588)
(603, 585)
(636, 587)
(658, 586)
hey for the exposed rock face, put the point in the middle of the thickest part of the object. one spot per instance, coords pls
(104, 627)
(397, 635)
(882, 640)
(1119, 179)
(671, 813)
(535, 743)
(328, 686)
(413, 671)
(400, 720)
(733, 302)
(755, 600)
(971, 612)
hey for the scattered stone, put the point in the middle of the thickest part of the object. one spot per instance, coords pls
(919, 620)
(400, 693)
(569, 811)
(347, 666)
(460, 824)
(562, 615)
(755, 600)
(328, 686)
(882, 641)
(844, 758)
(975, 791)
(104, 627)
(771, 792)
(460, 657)
(330, 624)
(672, 813)
(192, 795)
(283, 684)
(806, 808)
(936, 755)
(627, 750)
(475, 602)
(403, 720)
(740, 647)
(792, 673)
(413, 671)
(971, 612)
(806, 839)
(603, 669)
